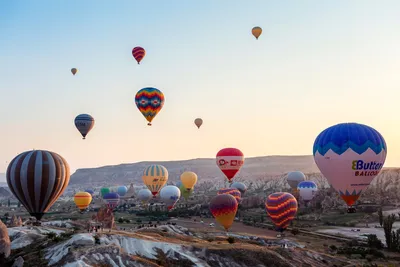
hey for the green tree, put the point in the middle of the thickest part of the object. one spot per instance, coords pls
(387, 227)
(380, 214)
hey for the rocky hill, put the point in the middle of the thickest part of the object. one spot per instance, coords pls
(206, 169)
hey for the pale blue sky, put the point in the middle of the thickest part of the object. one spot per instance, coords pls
(317, 63)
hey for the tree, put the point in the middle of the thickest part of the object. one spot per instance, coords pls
(387, 227)
(380, 214)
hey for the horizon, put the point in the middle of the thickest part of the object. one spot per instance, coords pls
(270, 96)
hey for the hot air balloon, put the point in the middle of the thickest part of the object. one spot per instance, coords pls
(82, 200)
(189, 179)
(184, 192)
(145, 195)
(74, 71)
(231, 191)
(307, 190)
(293, 179)
(84, 123)
(239, 186)
(224, 208)
(138, 53)
(230, 160)
(111, 200)
(170, 195)
(149, 101)
(282, 208)
(198, 122)
(37, 179)
(90, 191)
(350, 156)
(104, 191)
(122, 190)
(256, 31)
(155, 177)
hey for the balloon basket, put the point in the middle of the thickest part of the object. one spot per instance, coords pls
(351, 210)
(149, 124)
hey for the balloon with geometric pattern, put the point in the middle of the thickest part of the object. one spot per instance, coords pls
(138, 53)
(149, 101)
(281, 208)
(111, 200)
(231, 191)
(224, 208)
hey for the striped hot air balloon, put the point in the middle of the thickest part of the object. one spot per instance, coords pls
(231, 191)
(224, 208)
(84, 123)
(37, 179)
(149, 101)
(282, 208)
(155, 177)
(138, 53)
(82, 200)
(111, 200)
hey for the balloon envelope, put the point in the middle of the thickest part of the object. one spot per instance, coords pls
(122, 190)
(350, 156)
(224, 208)
(111, 200)
(82, 200)
(149, 101)
(138, 53)
(230, 160)
(256, 31)
(239, 186)
(294, 178)
(84, 123)
(37, 179)
(104, 191)
(198, 122)
(74, 71)
(184, 192)
(90, 191)
(155, 177)
(189, 179)
(231, 191)
(307, 190)
(282, 208)
(145, 195)
(170, 195)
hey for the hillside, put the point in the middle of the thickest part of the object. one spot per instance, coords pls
(252, 169)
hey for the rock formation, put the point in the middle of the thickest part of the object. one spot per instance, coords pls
(106, 217)
(5, 244)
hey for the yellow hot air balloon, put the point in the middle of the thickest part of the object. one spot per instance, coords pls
(189, 179)
(256, 31)
(82, 200)
(155, 177)
(198, 122)
(74, 71)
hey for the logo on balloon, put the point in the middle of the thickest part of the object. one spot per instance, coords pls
(233, 162)
(366, 168)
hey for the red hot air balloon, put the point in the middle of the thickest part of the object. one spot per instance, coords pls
(282, 208)
(138, 53)
(230, 160)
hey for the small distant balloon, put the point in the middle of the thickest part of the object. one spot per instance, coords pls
(239, 186)
(122, 190)
(84, 123)
(104, 191)
(224, 208)
(294, 178)
(138, 53)
(90, 191)
(198, 122)
(155, 177)
(230, 160)
(189, 179)
(307, 190)
(170, 194)
(111, 200)
(231, 191)
(256, 31)
(74, 71)
(145, 195)
(281, 208)
(82, 200)
(149, 101)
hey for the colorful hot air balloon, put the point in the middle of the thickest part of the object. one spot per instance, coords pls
(184, 192)
(138, 53)
(294, 178)
(224, 208)
(231, 191)
(282, 208)
(307, 190)
(104, 191)
(230, 160)
(350, 156)
(122, 190)
(84, 123)
(82, 200)
(37, 179)
(90, 191)
(111, 200)
(256, 31)
(239, 186)
(170, 194)
(149, 101)
(198, 122)
(145, 195)
(189, 179)
(155, 177)
(74, 71)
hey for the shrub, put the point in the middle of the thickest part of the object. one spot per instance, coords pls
(231, 240)
(121, 220)
(138, 220)
(374, 242)
(295, 231)
(96, 240)
(333, 247)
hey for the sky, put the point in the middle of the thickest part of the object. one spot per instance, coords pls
(316, 64)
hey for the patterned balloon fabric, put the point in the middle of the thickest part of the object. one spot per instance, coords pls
(149, 101)
(282, 209)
